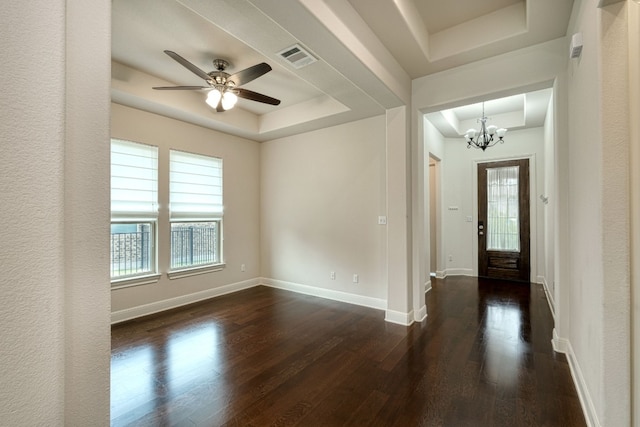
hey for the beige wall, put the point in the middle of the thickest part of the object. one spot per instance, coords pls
(321, 195)
(241, 168)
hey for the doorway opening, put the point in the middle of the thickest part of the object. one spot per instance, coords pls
(435, 269)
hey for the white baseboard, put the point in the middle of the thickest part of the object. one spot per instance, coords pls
(427, 286)
(365, 301)
(563, 345)
(560, 345)
(441, 274)
(158, 306)
(404, 319)
(550, 300)
(421, 314)
(458, 272)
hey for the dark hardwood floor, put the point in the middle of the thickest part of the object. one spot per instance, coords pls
(264, 357)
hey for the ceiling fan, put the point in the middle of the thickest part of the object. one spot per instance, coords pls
(223, 87)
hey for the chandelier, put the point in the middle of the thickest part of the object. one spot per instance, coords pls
(487, 136)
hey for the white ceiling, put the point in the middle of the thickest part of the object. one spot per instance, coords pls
(513, 113)
(367, 55)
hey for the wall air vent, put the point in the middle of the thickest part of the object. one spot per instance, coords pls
(297, 56)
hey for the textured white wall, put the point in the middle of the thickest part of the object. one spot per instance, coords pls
(634, 110)
(241, 202)
(458, 185)
(598, 286)
(614, 110)
(321, 194)
(584, 329)
(32, 258)
(54, 363)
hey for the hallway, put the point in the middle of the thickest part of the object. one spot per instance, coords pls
(264, 356)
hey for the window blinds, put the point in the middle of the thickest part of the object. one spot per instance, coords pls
(195, 186)
(134, 180)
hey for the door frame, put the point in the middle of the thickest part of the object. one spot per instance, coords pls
(533, 211)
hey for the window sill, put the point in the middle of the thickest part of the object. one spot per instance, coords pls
(177, 274)
(135, 281)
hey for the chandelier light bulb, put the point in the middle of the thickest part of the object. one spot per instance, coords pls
(491, 130)
(229, 99)
(213, 98)
(500, 132)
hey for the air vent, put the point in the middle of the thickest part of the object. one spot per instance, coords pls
(297, 56)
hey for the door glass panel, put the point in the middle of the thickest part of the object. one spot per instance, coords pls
(503, 222)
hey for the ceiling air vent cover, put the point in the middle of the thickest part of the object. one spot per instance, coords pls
(297, 56)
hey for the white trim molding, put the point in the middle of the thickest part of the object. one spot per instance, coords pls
(563, 345)
(458, 272)
(550, 300)
(331, 294)
(399, 318)
(441, 274)
(421, 314)
(168, 304)
(427, 286)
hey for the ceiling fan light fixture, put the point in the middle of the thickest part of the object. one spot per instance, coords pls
(229, 99)
(213, 98)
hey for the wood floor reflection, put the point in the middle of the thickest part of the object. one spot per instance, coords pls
(265, 357)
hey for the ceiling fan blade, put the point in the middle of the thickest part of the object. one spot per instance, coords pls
(188, 65)
(255, 96)
(180, 87)
(251, 73)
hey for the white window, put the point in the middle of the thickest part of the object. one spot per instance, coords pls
(134, 209)
(195, 196)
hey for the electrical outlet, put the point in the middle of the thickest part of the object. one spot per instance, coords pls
(355, 278)
(382, 220)
(242, 267)
(450, 257)
(333, 275)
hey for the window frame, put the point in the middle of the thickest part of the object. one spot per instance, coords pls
(146, 277)
(138, 215)
(185, 217)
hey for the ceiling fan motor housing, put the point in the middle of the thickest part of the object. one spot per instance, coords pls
(220, 64)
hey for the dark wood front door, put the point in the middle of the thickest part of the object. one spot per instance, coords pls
(503, 220)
